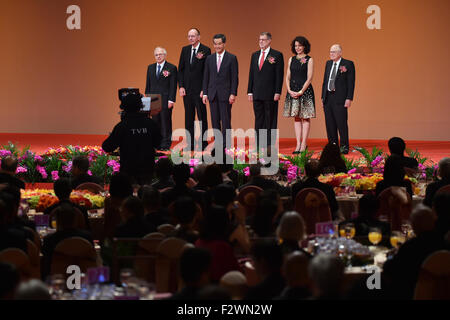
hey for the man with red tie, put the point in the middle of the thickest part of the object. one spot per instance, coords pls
(265, 82)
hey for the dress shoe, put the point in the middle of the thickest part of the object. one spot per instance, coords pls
(344, 150)
(296, 152)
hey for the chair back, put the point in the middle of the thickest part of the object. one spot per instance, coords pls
(168, 254)
(35, 259)
(444, 189)
(73, 251)
(19, 259)
(433, 282)
(80, 222)
(395, 203)
(248, 198)
(312, 204)
(147, 247)
(91, 186)
(166, 229)
(36, 237)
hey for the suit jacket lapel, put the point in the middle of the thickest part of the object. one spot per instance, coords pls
(224, 59)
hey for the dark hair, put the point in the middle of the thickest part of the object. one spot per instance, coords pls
(131, 103)
(331, 159)
(255, 170)
(150, 196)
(134, 206)
(215, 224)
(9, 280)
(441, 205)
(213, 175)
(65, 216)
(9, 164)
(220, 36)
(303, 42)
(198, 31)
(312, 168)
(267, 34)
(184, 210)
(223, 194)
(181, 174)
(120, 186)
(14, 194)
(394, 172)
(81, 162)
(368, 206)
(194, 262)
(268, 252)
(267, 207)
(396, 146)
(62, 188)
(163, 168)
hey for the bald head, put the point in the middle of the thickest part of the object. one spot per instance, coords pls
(422, 219)
(335, 52)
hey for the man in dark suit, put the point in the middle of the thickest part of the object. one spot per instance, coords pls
(190, 80)
(162, 79)
(337, 96)
(264, 86)
(220, 84)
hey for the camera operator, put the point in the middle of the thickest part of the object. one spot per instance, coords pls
(137, 136)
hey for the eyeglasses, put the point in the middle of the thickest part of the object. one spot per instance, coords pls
(263, 39)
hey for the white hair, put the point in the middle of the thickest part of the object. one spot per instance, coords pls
(163, 50)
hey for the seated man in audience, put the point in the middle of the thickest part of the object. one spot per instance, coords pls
(10, 236)
(397, 146)
(8, 172)
(393, 176)
(63, 189)
(267, 260)
(184, 211)
(403, 268)
(256, 179)
(154, 213)
(268, 210)
(441, 207)
(163, 172)
(194, 271)
(9, 281)
(312, 171)
(295, 271)
(65, 228)
(326, 272)
(80, 168)
(133, 222)
(33, 289)
(432, 188)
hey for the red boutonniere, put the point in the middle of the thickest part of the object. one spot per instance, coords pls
(271, 60)
(166, 73)
(342, 69)
(200, 55)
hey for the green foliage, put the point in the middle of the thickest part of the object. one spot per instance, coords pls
(416, 155)
(369, 156)
(100, 167)
(301, 159)
(350, 163)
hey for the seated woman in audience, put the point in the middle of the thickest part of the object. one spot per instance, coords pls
(331, 160)
(269, 207)
(393, 175)
(163, 172)
(133, 223)
(290, 232)
(119, 189)
(184, 211)
(225, 195)
(214, 237)
(65, 228)
(153, 211)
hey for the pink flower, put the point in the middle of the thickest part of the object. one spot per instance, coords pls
(21, 170)
(193, 162)
(42, 171)
(89, 172)
(191, 170)
(247, 171)
(200, 55)
(55, 175)
(303, 60)
(5, 153)
(114, 164)
(271, 60)
(292, 173)
(38, 158)
(342, 69)
(166, 73)
(68, 167)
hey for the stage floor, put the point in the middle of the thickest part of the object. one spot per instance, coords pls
(434, 150)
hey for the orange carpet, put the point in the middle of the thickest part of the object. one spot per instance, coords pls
(434, 150)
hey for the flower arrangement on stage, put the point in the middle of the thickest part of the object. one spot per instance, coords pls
(41, 199)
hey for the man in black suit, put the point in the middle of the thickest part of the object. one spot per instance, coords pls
(162, 79)
(190, 80)
(220, 84)
(337, 96)
(264, 86)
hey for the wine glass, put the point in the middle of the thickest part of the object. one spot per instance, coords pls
(406, 228)
(375, 236)
(397, 239)
(350, 230)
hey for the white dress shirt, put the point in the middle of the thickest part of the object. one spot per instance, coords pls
(160, 70)
(196, 50)
(337, 69)
(266, 52)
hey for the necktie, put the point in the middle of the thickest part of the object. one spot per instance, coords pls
(193, 55)
(261, 62)
(331, 86)
(158, 71)
(219, 62)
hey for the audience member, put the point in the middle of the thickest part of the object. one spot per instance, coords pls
(269, 207)
(397, 146)
(163, 172)
(184, 211)
(80, 168)
(441, 207)
(9, 281)
(312, 171)
(268, 260)
(133, 223)
(295, 271)
(235, 283)
(8, 172)
(195, 266)
(214, 234)
(290, 232)
(326, 272)
(155, 214)
(214, 292)
(432, 188)
(331, 160)
(256, 179)
(33, 289)
(10, 236)
(393, 175)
